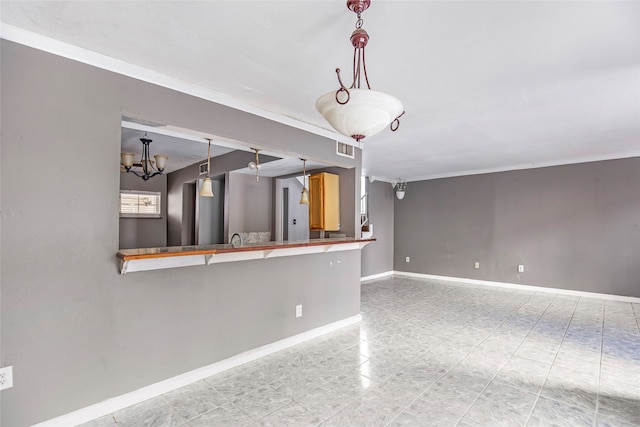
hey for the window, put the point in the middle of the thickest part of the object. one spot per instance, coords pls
(139, 204)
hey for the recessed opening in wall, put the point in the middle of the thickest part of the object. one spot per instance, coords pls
(241, 204)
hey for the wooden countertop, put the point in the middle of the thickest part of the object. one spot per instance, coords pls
(180, 251)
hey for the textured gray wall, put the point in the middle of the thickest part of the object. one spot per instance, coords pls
(74, 330)
(144, 232)
(573, 227)
(377, 257)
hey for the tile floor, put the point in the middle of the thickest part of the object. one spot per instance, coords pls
(431, 353)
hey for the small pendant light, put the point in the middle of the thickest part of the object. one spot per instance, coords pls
(206, 190)
(255, 165)
(304, 198)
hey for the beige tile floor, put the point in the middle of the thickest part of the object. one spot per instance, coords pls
(430, 353)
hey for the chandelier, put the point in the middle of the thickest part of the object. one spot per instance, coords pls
(353, 111)
(149, 168)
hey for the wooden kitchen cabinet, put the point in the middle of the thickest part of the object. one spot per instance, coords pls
(324, 202)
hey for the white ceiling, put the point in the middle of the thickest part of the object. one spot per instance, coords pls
(486, 85)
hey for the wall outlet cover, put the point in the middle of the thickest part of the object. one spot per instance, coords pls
(477, 265)
(407, 259)
(520, 268)
(299, 310)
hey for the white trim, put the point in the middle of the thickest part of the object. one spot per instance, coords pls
(120, 402)
(377, 276)
(85, 56)
(583, 294)
(586, 159)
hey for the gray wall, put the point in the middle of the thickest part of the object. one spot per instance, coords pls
(299, 230)
(250, 203)
(377, 257)
(573, 227)
(74, 330)
(211, 215)
(144, 232)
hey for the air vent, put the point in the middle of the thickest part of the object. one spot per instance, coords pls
(203, 169)
(344, 150)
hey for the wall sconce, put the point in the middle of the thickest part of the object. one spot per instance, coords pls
(255, 165)
(304, 198)
(206, 190)
(400, 187)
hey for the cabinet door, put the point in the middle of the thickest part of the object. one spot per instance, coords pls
(331, 202)
(324, 202)
(316, 219)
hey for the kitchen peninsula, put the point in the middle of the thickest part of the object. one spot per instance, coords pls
(182, 256)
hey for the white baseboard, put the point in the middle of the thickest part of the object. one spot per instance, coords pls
(120, 402)
(520, 287)
(376, 276)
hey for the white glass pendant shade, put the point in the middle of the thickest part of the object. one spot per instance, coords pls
(161, 161)
(400, 194)
(126, 159)
(206, 190)
(366, 113)
(304, 198)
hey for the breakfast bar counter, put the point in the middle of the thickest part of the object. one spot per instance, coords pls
(183, 256)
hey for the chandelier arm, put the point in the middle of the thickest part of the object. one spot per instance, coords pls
(151, 164)
(364, 68)
(356, 69)
(145, 158)
(395, 124)
(342, 89)
(342, 86)
(144, 176)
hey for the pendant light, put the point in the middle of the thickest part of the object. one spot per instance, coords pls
(206, 190)
(400, 187)
(255, 165)
(353, 111)
(304, 198)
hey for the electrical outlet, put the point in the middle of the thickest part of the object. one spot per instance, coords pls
(6, 377)
(477, 264)
(407, 259)
(299, 310)
(520, 268)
